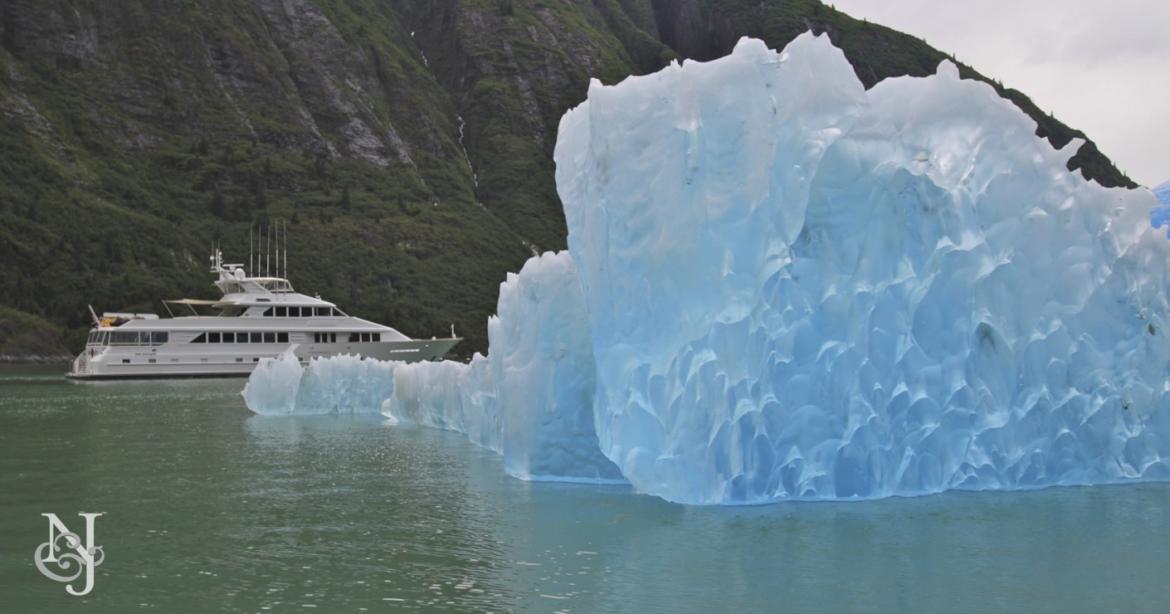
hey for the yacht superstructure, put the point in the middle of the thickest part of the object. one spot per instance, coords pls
(257, 317)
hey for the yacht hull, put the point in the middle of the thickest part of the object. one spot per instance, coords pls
(164, 362)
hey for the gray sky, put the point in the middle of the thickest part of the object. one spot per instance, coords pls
(1101, 67)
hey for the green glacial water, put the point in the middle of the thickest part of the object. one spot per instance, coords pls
(210, 509)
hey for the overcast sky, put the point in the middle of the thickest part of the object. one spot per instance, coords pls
(1101, 67)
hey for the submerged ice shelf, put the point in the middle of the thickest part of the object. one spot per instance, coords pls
(780, 286)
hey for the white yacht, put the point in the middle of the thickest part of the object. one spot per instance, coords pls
(257, 317)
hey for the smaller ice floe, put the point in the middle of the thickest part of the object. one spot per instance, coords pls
(337, 385)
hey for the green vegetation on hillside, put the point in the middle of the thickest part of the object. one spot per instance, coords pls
(407, 144)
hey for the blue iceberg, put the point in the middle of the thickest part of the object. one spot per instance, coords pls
(782, 286)
(531, 398)
(338, 385)
(1160, 216)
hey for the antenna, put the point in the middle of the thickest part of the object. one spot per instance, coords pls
(286, 249)
(268, 251)
(250, 269)
(277, 248)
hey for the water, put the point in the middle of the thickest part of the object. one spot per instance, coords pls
(210, 509)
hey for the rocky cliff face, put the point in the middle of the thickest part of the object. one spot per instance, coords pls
(407, 143)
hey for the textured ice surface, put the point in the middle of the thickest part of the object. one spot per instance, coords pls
(531, 398)
(800, 289)
(1163, 193)
(1160, 216)
(447, 395)
(338, 385)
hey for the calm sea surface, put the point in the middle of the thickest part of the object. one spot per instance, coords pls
(211, 509)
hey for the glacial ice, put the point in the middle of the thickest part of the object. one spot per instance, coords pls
(1160, 216)
(800, 289)
(531, 398)
(1163, 193)
(781, 286)
(337, 385)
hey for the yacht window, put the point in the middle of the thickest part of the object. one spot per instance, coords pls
(282, 337)
(378, 337)
(241, 337)
(332, 337)
(202, 338)
(268, 312)
(229, 337)
(159, 337)
(281, 312)
(105, 338)
(269, 337)
(354, 337)
(316, 337)
(294, 312)
(256, 338)
(89, 339)
(123, 338)
(213, 337)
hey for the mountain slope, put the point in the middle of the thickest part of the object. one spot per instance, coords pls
(408, 144)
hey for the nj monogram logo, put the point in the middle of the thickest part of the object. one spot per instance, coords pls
(65, 552)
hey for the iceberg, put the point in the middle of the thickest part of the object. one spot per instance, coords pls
(782, 286)
(798, 289)
(336, 385)
(1160, 216)
(531, 397)
(1163, 193)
